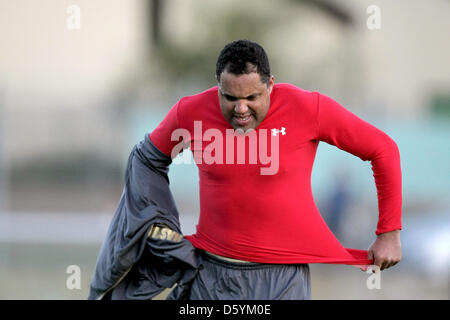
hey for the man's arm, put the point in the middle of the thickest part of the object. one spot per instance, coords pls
(146, 200)
(341, 128)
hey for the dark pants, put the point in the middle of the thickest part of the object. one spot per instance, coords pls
(225, 280)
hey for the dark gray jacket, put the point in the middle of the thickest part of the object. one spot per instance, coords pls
(144, 252)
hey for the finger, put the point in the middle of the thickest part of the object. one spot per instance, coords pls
(370, 255)
(385, 265)
(388, 264)
(379, 263)
(392, 263)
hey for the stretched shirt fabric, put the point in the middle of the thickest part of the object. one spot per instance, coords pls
(272, 218)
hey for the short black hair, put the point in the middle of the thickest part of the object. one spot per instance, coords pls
(243, 57)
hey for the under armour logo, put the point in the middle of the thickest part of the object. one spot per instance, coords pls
(276, 131)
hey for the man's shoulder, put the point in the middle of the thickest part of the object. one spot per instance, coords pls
(289, 88)
(196, 106)
(289, 94)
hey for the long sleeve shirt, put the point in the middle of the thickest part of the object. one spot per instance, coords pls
(256, 202)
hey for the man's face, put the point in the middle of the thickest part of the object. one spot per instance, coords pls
(244, 99)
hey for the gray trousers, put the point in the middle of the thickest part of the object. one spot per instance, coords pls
(218, 279)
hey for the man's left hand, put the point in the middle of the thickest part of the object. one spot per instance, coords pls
(386, 250)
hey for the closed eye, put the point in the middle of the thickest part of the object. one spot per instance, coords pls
(229, 98)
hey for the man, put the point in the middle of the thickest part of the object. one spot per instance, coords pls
(259, 227)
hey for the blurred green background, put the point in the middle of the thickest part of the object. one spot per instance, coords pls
(81, 82)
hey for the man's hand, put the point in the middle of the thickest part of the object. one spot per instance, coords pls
(386, 250)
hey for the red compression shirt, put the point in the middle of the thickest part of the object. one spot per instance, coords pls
(272, 218)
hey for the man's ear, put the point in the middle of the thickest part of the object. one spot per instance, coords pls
(271, 83)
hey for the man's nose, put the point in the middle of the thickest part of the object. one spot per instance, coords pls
(240, 107)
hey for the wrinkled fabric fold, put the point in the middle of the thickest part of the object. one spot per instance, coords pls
(131, 265)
